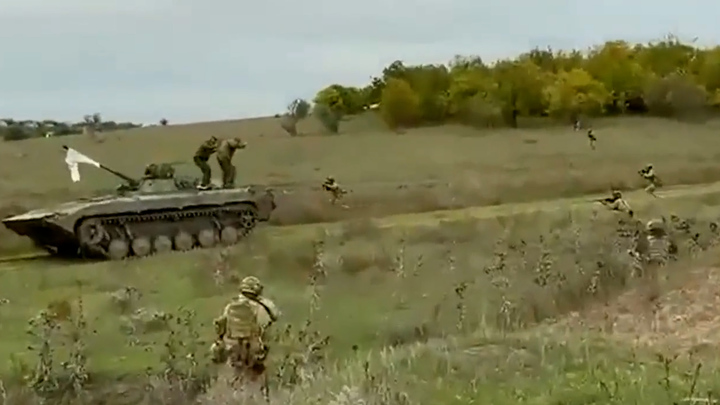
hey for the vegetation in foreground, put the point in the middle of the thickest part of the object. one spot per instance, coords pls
(382, 316)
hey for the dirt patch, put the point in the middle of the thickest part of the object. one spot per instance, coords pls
(679, 312)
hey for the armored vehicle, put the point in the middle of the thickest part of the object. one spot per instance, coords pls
(158, 213)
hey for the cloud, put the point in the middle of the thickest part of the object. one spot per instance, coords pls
(192, 60)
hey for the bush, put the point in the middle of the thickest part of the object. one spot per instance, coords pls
(296, 111)
(675, 96)
(15, 133)
(329, 118)
(399, 104)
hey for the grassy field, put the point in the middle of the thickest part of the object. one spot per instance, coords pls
(531, 301)
(449, 310)
(422, 170)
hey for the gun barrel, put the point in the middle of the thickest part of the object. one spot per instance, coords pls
(118, 174)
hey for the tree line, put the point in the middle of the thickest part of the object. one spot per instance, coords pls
(668, 78)
(15, 130)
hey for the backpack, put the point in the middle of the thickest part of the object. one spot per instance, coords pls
(242, 322)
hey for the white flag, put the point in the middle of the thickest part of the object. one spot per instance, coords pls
(72, 159)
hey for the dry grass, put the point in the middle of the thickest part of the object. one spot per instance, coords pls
(403, 315)
(502, 305)
(425, 169)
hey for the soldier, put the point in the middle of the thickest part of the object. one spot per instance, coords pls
(617, 203)
(714, 234)
(680, 225)
(577, 125)
(657, 248)
(241, 331)
(201, 160)
(337, 192)
(159, 171)
(225, 152)
(591, 138)
(654, 182)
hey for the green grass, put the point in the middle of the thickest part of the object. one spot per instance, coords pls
(504, 304)
(427, 169)
(391, 293)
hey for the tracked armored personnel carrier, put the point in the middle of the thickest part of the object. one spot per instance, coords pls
(159, 213)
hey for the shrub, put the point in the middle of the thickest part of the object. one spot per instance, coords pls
(399, 105)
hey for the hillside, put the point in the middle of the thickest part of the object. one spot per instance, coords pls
(443, 167)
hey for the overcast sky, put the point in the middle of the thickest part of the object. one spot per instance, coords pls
(192, 60)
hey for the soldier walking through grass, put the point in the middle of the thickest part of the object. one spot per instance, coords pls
(202, 155)
(648, 173)
(225, 152)
(241, 332)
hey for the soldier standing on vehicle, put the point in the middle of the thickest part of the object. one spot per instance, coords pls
(202, 155)
(225, 152)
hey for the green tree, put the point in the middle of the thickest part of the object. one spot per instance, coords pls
(520, 89)
(574, 93)
(676, 95)
(615, 66)
(709, 70)
(328, 117)
(399, 105)
(297, 110)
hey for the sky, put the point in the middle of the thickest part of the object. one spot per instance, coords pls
(192, 60)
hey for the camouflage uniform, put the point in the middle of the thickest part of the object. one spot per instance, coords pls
(649, 174)
(617, 203)
(225, 152)
(159, 171)
(656, 247)
(714, 233)
(331, 186)
(202, 155)
(591, 138)
(241, 330)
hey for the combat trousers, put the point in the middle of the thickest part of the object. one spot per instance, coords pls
(202, 163)
(246, 358)
(228, 173)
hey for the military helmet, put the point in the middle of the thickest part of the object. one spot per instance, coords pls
(655, 224)
(616, 193)
(329, 178)
(649, 166)
(251, 285)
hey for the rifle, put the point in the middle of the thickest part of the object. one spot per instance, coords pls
(220, 325)
(604, 201)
